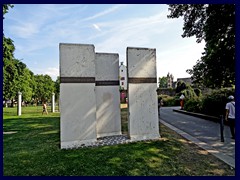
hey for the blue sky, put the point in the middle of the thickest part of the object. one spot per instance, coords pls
(37, 31)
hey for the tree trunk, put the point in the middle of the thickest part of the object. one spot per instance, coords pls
(12, 103)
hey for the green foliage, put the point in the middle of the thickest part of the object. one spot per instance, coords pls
(214, 103)
(215, 24)
(193, 105)
(8, 49)
(16, 76)
(211, 104)
(6, 8)
(163, 82)
(186, 90)
(45, 87)
(169, 100)
(189, 92)
(9, 79)
(57, 88)
(198, 92)
(180, 86)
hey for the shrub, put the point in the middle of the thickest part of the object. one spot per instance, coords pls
(169, 100)
(214, 103)
(193, 105)
(198, 92)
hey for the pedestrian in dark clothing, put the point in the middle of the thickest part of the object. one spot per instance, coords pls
(160, 103)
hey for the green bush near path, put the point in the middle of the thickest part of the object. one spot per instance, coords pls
(212, 104)
(31, 147)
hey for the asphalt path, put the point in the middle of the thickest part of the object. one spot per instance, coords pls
(205, 131)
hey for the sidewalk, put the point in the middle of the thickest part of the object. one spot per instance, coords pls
(201, 132)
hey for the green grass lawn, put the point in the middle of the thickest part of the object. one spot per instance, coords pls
(31, 147)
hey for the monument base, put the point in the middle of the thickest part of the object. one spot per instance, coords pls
(77, 143)
(144, 137)
(109, 134)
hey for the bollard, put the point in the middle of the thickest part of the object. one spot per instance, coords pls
(221, 127)
(19, 107)
(53, 103)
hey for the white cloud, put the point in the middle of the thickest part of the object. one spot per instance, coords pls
(105, 12)
(43, 27)
(25, 30)
(96, 27)
(53, 72)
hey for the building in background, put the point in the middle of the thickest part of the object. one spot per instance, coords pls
(123, 83)
(187, 80)
(123, 76)
(169, 80)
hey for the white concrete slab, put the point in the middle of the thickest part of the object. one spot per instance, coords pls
(141, 63)
(78, 114)
(77, 60)
(107, 66)
(77, 95)
(142, 96)
(107, 95)
(143, 114)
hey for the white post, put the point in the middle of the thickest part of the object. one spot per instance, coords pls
(53, 102)
(19, 109)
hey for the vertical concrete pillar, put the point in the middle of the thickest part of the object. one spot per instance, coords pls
(107, 95)
(142, 96)
(19, 107)
(77, 95)
(53, 102)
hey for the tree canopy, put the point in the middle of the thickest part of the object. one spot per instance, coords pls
(45, 87)
(163, 82)
(215, 24)
(18, 78)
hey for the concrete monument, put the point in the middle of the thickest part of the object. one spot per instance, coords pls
(77, 95)
(107, 94)
(142, 96)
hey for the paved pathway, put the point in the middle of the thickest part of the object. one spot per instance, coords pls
(204, 133)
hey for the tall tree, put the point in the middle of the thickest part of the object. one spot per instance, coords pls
(57, 87)
(24, 81)
(44, 87)
(215, 24)
(163, 82)
(6, 8)
(180, 86)
(9, 68)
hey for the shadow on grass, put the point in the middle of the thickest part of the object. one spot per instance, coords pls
(35, 150)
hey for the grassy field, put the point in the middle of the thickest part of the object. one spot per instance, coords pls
(31, 148)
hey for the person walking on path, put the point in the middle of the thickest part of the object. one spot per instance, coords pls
(182, 101)
(230, 115)
(45, 108)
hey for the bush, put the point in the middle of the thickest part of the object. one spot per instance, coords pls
(169, 100)
(198, 92)
(214, 103)
(193, 105)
